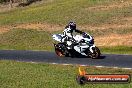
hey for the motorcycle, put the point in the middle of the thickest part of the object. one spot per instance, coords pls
(84, 45)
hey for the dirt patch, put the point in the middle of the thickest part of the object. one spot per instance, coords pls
(35, 26)
(6, 7)
(4, 29)
(39, 26)
(125, 22)
(114, 40)
(112, 6)
(54, 27)
(107, 26)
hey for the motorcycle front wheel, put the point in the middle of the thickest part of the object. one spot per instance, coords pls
(96, 53)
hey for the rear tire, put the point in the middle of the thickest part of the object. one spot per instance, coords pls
(59, 53)
(61, 50)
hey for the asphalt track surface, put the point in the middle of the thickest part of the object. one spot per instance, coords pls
(109, 60)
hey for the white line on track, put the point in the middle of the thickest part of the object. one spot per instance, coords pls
(95, 66)
(82, 65)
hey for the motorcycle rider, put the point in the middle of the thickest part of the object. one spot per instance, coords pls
(68, 33)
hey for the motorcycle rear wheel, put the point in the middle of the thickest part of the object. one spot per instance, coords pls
(59, 53)
(61, 50)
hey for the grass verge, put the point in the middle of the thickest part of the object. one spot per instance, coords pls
(21, 39)
(116, 50)
(40, 75)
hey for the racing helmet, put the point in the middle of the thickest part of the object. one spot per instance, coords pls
(72, 25)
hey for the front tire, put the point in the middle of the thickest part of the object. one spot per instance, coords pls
(96, 53)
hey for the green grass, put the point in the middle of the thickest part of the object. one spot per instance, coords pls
(116, 50)
(40, 75)
(61, 11)
(21, 39)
